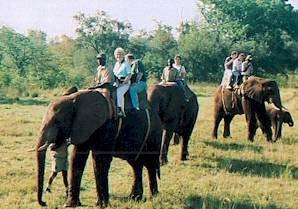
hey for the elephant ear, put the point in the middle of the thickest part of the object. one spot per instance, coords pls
(91, 112)
(253, 89)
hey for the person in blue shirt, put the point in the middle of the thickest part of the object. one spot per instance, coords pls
(122, 73)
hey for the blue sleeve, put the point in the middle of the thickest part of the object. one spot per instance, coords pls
(127, 68)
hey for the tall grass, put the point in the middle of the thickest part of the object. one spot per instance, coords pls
(225, 173)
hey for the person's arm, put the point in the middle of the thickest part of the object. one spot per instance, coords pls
(183, 72)
(244, 67)
(228, 63)
(235, 63)
(128, 71)
(139, 76)
(163, 75)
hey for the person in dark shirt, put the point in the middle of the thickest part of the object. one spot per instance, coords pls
(138, 79)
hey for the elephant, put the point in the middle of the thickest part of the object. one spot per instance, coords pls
(278, 117)
(177, 115)
(83, 118)
(249, 99)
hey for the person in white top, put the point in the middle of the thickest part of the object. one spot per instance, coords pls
(237, 69)
(228, 65)
(122, 72)
(179, 67)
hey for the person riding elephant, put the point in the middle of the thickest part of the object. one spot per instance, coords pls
(83, 118)
(177, 115)
(255, 91)
(278, 117)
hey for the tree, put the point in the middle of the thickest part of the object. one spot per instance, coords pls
(272, 25)
(101, 33)
(162, 46)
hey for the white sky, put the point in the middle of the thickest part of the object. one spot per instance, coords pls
(55, 16)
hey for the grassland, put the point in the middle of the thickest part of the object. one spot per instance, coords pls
(226, 173)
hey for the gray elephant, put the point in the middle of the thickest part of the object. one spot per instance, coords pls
(278, 117)
(250, 100)
(84, 117)
(177, 115)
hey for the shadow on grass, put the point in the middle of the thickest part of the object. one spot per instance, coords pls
(197, 202)
(256, 168)
(22, 101)
(234, 146)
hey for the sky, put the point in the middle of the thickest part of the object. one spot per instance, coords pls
(55, 17)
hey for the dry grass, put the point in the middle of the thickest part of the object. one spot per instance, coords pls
(231, 173)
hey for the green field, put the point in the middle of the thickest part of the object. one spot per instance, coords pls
(232, 173)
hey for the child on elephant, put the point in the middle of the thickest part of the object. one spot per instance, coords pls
(59, 164)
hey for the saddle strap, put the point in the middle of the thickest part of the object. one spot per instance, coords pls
(223, 101)
(147, 134)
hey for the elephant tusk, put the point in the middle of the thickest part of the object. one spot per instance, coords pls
(32, 150)
(285, 109)
(43, 147)
(275, 107)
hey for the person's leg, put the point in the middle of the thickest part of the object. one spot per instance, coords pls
(121, 90)
(133, 91)
(51, 179)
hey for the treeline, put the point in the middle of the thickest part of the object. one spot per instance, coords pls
(266, 29)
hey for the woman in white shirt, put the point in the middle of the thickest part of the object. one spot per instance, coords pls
(179, 67)
(122, 73)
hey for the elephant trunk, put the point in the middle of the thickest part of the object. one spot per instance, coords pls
(276, 101)
(40, 156)
(291, 123)
(277, 129)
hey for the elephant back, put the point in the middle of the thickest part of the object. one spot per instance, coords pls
(133, 136)
(231, 101)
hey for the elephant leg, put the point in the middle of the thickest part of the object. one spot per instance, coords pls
(227, 123)
(167, 135)
(152, 173)
(176, 139)
(217, 118)
(78, 161)
(137, 188)
(264, 119)
(101, 166)
(279, 131)
(184, 149)
(250, 118)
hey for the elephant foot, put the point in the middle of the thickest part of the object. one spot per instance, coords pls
(226, 136)
(102, 204)
(164, 161)
(214, 136)
(184, 157)
(72, 203)
(250, 139)
(135, 196)
(154, 193)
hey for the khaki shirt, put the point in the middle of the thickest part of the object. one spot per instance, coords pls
(104, 75)
(169, 74)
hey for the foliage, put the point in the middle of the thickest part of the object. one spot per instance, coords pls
(266, 29)
(101, 33)
(162, 46)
